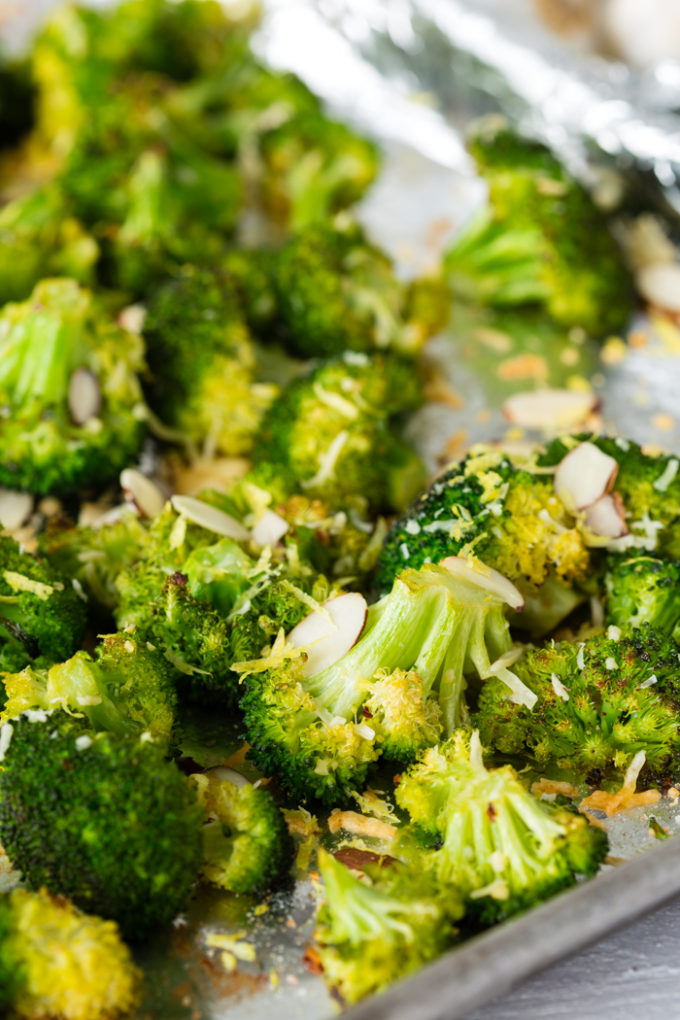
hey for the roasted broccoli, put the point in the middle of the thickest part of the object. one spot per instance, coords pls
(41, 616)
(246, 844)
(510, 517)
(57, 962)
(314, 729)
(335, 432)
(503, 849)
(541, 240)
(202, 362)
(72, 403)
(599, 702)
(642, 589)
(335, 291)
(104, 820)
(127, 689)
(374, 930)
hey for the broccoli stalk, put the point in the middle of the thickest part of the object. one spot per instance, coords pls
(503, 849)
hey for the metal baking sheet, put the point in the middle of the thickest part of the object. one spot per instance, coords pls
(388, 67)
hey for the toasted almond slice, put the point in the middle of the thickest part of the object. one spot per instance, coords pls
(659, 284)
(583, 476)
(84, 396)
(269, 529)
(144, 494)
(476, 572)
(223, 774)
(209, 517)
(132, 318)
(330, 631)
(550, 409)
(606, 517)
(15, 508)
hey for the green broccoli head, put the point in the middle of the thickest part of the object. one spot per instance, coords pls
(128, 689)
(599, 702)
(642, 589)
(202, 362)
(541, 240)
(375, 929)
(69, 389)
(314, 729)
(41, 616)
(335, 291)
(500, 846)
(246, 844)
(102, 819)
(56, 961)
(336, 432)
(510, 517)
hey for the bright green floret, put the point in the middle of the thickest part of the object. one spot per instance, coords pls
(335, 433)
(600, 702)
(377, 929)
(408, 669)
(69, 391)
(541, 240)
(246, 844)
(41, 616)
(500, 846)
(642, 589)
(57, 962)
(104, 820)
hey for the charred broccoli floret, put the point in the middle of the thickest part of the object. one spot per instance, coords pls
(500, 846)
(336, 432)
(313, 728)
(202, 362)
(642, 589)
(41, 616)
(541, 240)
(510, 517)
(246, 844)
(69, 391)
(57, 962)
(374, 930)
(335, 291)
(599, 702)
(127, 689)
(104, 820)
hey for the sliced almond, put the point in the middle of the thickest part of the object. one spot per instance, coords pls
(223, 774)
(330, 631)
(550, 409)
(15, 508)
(144, 494)
(476, 572)
(659, 284)
(583, 476)
(209, 517)
(84, 396)
(132, 318)
(269, 529)
(606, 517)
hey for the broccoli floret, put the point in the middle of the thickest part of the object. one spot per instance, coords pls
(202, 362)
(374, 930)
(336, 432)
(104, 820)
(500, 846)
(510, 518)
(127, 689)
(39, 237)
(335, 291)
(69, 391)
(642, 589)
(600, 701)
(251, 274)
(41, 616)
(541, 240)
(246, 844)
(57, 962)
(315, 732)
